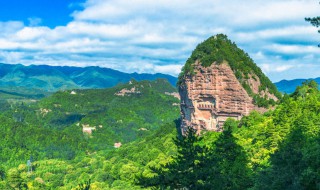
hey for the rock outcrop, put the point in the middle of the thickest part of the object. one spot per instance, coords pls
(211, 96)
(126, 92)
(174, 94)
(220, 81)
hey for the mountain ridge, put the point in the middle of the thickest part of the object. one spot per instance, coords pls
(53, 78)
(289, 86)
(33, 77)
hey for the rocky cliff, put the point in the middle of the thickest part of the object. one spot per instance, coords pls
(220, 81)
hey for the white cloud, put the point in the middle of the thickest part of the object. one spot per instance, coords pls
(105, 30)
(111, 10)
(267, 68)
(158, 36)
(31, 33)
(293, 49)
(261, 11)
(171, 69)
(293, 31)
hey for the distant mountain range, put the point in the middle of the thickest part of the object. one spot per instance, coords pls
(289, 86)
(53, 78)
(37, 81)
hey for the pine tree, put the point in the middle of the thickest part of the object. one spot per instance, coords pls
(227, 162)
(187, 169)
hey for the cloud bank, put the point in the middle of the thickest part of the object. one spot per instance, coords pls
(158, 36)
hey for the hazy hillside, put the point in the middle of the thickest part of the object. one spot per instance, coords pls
(53, 78)
(288, 86)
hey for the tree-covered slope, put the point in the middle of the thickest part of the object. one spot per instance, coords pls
(283, 145)
(277, 150)
(112, 169)
(117, 116)
(53, 127)
(51, 132)
(219, 48)
(22, 93)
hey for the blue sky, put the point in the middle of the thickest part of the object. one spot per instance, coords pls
(49, 13)
(158, 36)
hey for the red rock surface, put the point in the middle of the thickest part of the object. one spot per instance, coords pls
(211, 96)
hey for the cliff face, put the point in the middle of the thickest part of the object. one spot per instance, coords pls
(220, 81)
(211, 96)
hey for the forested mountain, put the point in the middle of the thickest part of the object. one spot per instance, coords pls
(289, 86)
(276, 150)
(218, 52)
(53, 78)
(65, 130)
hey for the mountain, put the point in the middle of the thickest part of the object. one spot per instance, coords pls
(123, 113)
(219, 81)
(63, 157)
(68, 127)
(289, 86)
(54, 78)
(126, 112)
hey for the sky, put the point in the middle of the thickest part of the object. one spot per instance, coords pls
(148, 36)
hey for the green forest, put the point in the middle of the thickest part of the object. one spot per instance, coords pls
(49, 132)
(275, 150)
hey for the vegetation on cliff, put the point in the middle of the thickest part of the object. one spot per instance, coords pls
(219, 48)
